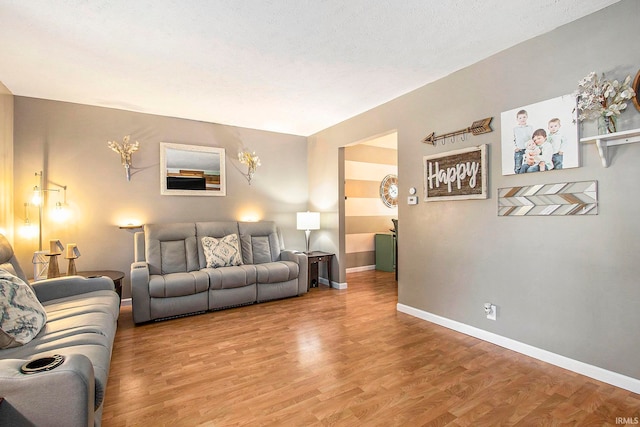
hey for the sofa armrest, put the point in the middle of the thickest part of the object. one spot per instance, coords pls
(61, 287)
(299, 258)
(63, 396)
(140, 298)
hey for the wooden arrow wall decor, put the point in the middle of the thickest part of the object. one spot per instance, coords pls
(477, 128)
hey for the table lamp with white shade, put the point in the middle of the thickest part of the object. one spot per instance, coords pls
(308, 221)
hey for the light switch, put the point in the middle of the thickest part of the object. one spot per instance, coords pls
(412, 200)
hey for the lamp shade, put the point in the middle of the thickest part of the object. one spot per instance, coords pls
(308, 220)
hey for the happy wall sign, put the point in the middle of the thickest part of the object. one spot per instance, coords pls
(455, 175)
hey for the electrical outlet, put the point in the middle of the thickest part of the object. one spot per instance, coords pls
(491, 310)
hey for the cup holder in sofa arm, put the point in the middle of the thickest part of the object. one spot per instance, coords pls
(43, 364)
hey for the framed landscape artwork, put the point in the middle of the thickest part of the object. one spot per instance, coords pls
(540, 137)
(192, 170)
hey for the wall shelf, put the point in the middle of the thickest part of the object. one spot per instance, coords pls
(609, 139)
(130, 227)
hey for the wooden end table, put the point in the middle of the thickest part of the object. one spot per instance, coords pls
(116, 276)
(314, 258)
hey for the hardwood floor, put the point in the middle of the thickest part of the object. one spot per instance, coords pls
(343, 358)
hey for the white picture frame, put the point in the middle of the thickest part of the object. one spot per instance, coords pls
(192, 170)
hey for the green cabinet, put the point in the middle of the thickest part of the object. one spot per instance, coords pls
(385, 251)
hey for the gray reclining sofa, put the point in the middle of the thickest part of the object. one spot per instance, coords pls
(81, 325)
(170, 277)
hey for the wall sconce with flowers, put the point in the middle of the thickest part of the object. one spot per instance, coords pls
(251, 160)
(125, 150)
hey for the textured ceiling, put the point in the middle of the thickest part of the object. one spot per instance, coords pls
(292, 66)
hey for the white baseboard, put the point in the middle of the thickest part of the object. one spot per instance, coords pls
(361, 268)
(609, 377)
(333, 284)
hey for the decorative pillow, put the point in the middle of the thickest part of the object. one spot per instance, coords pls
(21, 314)
(222, 253)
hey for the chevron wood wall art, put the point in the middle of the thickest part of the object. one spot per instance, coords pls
(565, 198)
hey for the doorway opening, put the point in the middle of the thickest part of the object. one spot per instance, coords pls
(366, 214)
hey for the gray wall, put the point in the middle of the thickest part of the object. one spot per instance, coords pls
(454, 256)
(6, 162)
(69, 143)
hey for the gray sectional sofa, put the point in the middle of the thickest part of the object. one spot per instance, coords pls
(81, 325)
(172, 275)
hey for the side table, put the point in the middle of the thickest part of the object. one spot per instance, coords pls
(314, 258)
(116, 276)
